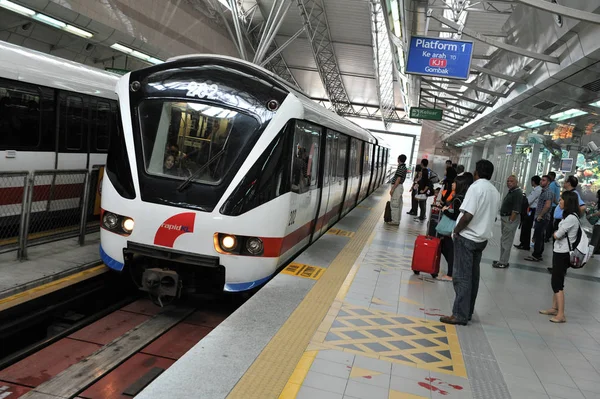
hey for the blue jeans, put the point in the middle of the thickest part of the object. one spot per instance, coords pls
(539, 234)
(465, 277)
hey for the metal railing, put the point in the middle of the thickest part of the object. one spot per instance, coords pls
(45, 206)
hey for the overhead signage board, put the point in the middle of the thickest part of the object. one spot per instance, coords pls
(566, 165)
(509, 150)
(444, 58)
(431, 114)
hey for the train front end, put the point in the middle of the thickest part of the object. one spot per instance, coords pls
(191, 134)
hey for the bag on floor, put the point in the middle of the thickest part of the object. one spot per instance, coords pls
(426, 256)
(387, 214)
(581, 251)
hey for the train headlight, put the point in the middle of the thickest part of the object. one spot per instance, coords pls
(128, 224)
(110, 220)
(228, 243)
(254, 246)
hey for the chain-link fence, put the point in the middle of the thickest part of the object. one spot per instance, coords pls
(13, 193)
(45, 206)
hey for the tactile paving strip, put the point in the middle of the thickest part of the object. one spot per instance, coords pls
(485, 376)
(396, 338)
(269, 373)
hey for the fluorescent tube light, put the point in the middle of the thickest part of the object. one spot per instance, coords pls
(136, 54)
(515, 129)
(225, 3)
(50, 21)
(499, 134)
(9, 5)
(79, 32)
(488, 136)
(572, 113)
(594, 104)
(121, 48)
(536, 123)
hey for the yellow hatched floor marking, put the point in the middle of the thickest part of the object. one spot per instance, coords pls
(342, 233)
(44, 289)
(268, 375)
(306, 271)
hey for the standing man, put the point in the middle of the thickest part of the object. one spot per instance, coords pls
(473, 230)
(527, 220)
(397, 191)
(555, 200)
(509, 212)
(460, 170)
(423, 186)
(542, 218)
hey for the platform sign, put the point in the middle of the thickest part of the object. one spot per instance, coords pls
(431, 114)
(566, 165)
(509, 150)
(444, 58)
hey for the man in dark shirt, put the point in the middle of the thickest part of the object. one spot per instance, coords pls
(509, 212)
(542, 218)
(397, 190)
(424, 188)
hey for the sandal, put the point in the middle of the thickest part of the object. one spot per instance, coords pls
(555, 320)
(532, 259)
(446, 278)
(549, 312)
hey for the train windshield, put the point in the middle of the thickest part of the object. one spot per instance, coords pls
(191, 139)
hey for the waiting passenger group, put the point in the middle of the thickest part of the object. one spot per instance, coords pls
(472, 205)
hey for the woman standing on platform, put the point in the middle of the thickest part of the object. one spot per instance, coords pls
(414, 191)
(561, 260)
(459, 190)
(594, 219)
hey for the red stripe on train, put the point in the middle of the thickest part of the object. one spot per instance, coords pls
(14, 195)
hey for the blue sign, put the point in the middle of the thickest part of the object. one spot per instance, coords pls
(509, 150)
(445, 58)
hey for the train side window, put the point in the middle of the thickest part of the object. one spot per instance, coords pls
(20, 117)
(73, 123)
(305, 160)
(341, 161)
(103, 123)
(334, 155)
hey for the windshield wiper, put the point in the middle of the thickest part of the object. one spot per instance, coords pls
(197, 173)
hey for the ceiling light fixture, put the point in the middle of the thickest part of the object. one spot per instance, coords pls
(571, 113)
(536, 123)
(515, 129)
(136, 54)
(9, 5)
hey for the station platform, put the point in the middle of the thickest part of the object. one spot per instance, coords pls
(50, 267)
(349, 319)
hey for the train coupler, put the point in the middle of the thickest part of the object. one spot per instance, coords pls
(161, 284)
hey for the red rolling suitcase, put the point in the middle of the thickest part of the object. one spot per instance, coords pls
(426, 256)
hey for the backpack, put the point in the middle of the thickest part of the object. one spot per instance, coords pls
(581, 251)
(433, 177)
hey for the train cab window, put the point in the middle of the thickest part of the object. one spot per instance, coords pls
(19, 117)
(341, 160)
(368, 154)
(305, 162)
(73, 123)
(103, 121)
(188, 139)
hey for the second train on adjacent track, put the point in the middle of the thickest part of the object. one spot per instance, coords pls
(221, 172)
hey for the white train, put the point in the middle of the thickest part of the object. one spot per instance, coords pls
(222, 173)
(54, 114)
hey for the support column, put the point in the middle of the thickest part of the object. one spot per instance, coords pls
(533, 164)
(476, 155)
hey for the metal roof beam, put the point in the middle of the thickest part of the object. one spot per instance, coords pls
(504, 46)
(476, 88)
(450, 102)
(271, 28)
(278, 50)
(446, 110)
(317, 27)
(498, 74)
(484, 33)
(563, 10)
(383, 61)
(440, 88)
(473, 10)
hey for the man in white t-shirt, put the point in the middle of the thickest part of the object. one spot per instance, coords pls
(479, 211)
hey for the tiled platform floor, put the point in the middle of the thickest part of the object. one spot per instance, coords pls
(382, 339)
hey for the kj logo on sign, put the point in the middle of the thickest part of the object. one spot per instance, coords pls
(439, 57)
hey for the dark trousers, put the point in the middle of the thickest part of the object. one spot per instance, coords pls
(560, 264)
(414, 203)
(467, 258)
(448, 252)
(539, 235)
(526, 227)
(550, 228)
(423, 206)
(596, 239)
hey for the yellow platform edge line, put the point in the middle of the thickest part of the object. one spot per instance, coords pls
(292, 387)
(53, 286)
(268, 375)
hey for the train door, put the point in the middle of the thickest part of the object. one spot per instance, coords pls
(328, 186)
(336, 182)
(73, 132)
(343, 171)
(306, 195)
(102, 121)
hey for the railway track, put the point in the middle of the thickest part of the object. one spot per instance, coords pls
(115, 356)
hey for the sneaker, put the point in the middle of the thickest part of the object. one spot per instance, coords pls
(499, 265)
